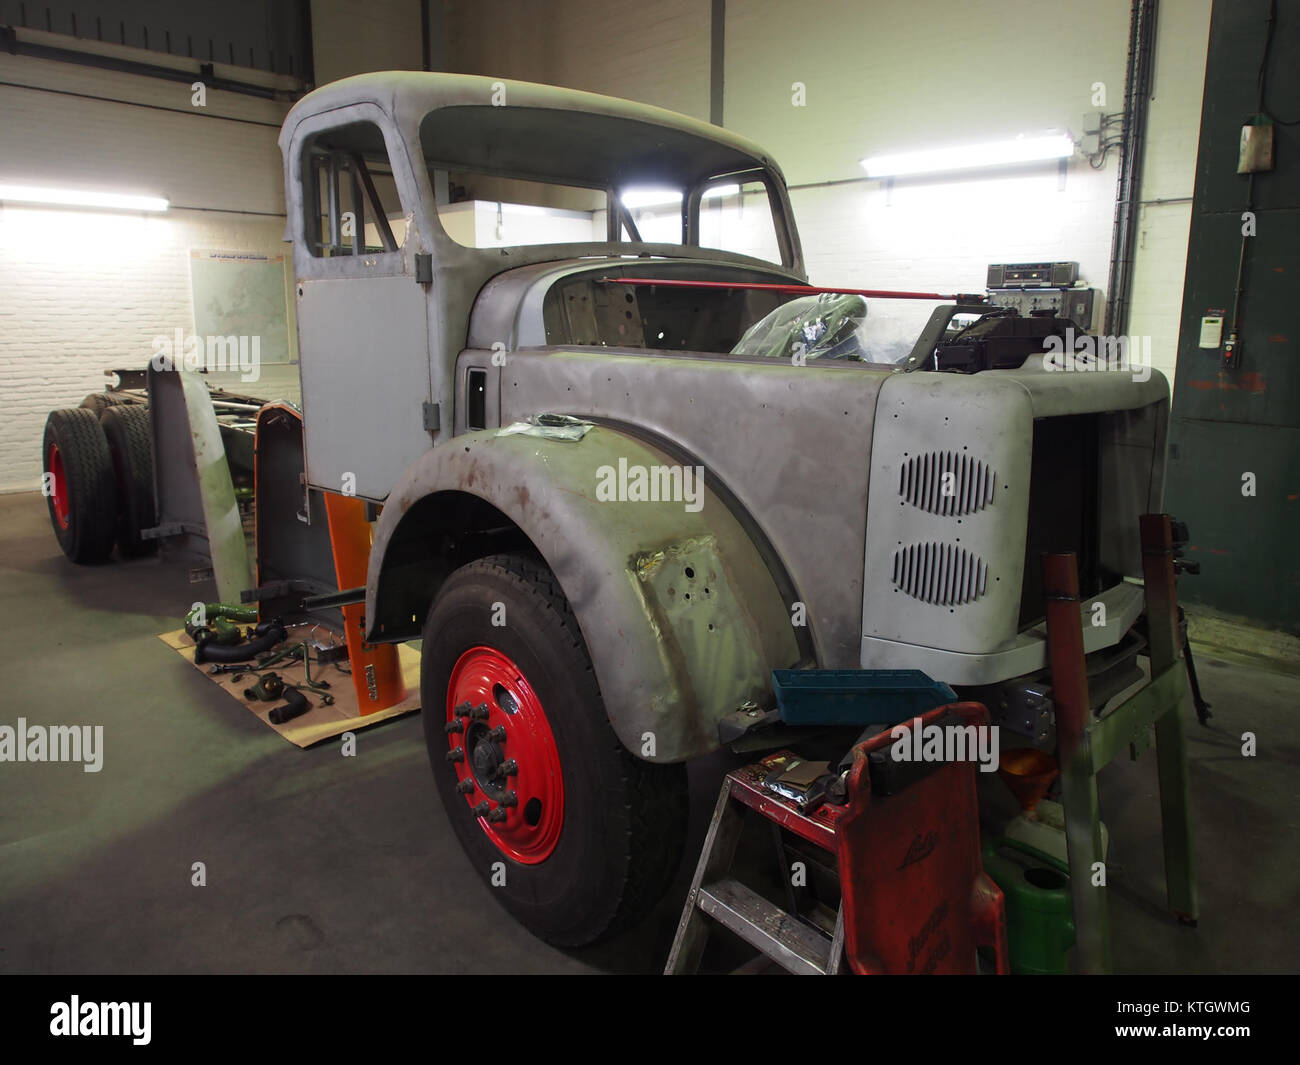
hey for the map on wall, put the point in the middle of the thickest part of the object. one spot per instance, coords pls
(243, 295)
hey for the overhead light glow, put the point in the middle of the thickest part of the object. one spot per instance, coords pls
(638, 198)
(635, 199)
(115, 201)
(970, 156)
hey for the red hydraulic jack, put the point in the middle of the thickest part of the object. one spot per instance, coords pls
(1087, 743)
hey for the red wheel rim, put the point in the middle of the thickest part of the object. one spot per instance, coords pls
(59, 489)
(509, 768)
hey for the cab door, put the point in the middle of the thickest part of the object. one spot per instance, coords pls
(363, 315)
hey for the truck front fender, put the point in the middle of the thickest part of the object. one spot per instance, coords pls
(682, 619)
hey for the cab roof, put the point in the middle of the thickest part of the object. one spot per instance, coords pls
(555, 134)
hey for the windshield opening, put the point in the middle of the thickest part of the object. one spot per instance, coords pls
(509, 177)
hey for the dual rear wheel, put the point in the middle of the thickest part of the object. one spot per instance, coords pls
(98, 463)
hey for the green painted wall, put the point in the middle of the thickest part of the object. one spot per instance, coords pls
(1230, 423)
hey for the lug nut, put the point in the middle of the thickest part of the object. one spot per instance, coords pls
(480, 712)
(508, 768)
(482, 809)
(462, 710)
(454, 726)
(497, 815)
(465, 786)
(456, 754)
(509, 799)
(498, 733)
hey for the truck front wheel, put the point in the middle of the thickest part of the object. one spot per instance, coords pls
(577, 838)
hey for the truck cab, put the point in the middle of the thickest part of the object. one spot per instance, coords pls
(528, 319)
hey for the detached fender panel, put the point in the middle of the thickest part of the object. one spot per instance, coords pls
(682, 618)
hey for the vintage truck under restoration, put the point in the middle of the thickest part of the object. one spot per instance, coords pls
(509, 406)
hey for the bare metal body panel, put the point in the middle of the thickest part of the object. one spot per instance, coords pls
(827, 535)
(674, 651)
(792, 447)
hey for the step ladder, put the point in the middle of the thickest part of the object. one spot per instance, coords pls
(913, 895)
(717, 897)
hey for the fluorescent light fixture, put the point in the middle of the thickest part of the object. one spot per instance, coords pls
(635, 198)
(80, 198)
(970, 156)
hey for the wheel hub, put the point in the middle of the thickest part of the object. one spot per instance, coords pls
(485, 759)
(59, 488)
(504, 755)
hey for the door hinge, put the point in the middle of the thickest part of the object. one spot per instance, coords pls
(423, 268)
(432, 417)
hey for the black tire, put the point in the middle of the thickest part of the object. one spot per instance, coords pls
(624, 820)
(130, 443)
(83, 499)
(98, 402)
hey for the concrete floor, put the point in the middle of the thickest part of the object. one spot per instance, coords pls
(319, 863)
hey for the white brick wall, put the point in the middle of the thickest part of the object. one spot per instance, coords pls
(82, 291)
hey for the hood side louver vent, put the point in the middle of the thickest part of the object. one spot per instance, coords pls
(948, 483)
(940, 574)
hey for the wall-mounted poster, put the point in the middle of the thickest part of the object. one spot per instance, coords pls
(241, 295)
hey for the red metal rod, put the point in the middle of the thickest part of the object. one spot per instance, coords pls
(805, 290)
(1065, 651)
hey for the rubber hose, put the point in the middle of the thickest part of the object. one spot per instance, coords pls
(295, 705)
(207, 651)
(229, 611)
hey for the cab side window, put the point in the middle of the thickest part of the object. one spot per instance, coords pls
(350, 198)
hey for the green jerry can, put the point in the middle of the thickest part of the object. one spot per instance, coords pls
(1040, 918)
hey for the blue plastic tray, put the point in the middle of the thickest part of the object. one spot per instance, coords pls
(856, 696)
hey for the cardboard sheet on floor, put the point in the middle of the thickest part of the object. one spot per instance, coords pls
(320, 722)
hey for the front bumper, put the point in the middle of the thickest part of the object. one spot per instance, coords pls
(1123, 604)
